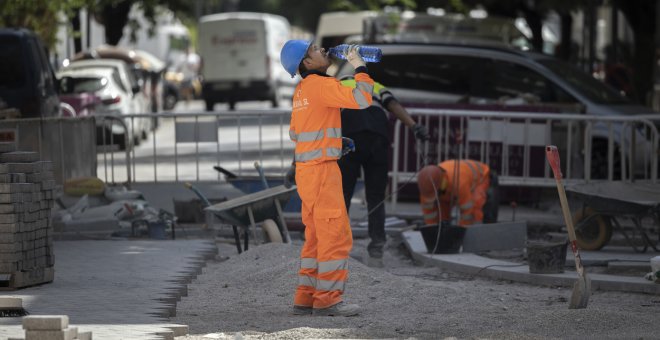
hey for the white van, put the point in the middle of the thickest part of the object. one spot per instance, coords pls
(241, 58)
(334, 27)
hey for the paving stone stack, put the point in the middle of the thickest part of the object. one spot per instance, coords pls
(26, 200)
(52, 327)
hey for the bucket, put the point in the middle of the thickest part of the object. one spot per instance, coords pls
(546, 257)
(451, 238)
(156, 230)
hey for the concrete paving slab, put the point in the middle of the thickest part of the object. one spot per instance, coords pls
(495, 236)
(112, 288)
(498, 269)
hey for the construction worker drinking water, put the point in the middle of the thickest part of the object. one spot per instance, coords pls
(316, 130)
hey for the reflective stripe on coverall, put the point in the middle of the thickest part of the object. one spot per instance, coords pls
(316, 129)
(473, 182)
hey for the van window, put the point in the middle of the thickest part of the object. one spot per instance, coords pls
(434, 73)
(505, 81)
(42, 72)
(587, 85)
(12, 70)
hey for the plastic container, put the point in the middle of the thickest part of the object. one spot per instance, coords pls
(369, 54)
(546, 257)
(655, 264)
(450, 241)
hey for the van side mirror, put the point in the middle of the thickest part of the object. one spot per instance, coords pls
(65, 85)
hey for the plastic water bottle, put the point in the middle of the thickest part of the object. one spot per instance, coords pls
(369, 54)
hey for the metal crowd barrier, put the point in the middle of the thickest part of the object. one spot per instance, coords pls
(186, 146)
(513, 143)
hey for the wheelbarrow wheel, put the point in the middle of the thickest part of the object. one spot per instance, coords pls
(592, 231)
(272, 231)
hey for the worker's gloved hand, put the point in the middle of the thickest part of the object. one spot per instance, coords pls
(290, 177)
(353, 56)
(421, 132)
(347, 145)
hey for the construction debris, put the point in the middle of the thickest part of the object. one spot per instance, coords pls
(117, 209)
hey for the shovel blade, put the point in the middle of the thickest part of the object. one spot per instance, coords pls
(581, 293)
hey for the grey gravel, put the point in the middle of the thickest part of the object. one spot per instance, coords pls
(249, 296)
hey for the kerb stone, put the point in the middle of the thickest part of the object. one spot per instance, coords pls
(46, 322)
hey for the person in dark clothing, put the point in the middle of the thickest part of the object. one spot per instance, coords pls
(369, 130)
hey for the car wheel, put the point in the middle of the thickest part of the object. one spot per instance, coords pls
(275, 100)
(170, 101)
(209, 105)
(120, 141)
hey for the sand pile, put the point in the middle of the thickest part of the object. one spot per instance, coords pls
(252, 294)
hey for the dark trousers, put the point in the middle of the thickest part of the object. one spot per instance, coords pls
(370, 154)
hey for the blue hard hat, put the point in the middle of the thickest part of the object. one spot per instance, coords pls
(292, 54)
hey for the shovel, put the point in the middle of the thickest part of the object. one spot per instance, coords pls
(582, 288)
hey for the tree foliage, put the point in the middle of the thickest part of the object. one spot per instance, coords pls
(40, 16)
(43, 17)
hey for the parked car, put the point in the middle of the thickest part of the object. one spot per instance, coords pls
(115, 95)
(135, 100)
(465, 77)
(27, 80)
(146, 69)
(240, 53)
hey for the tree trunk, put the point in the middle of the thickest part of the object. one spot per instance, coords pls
(535, 22)
(115, 18)
(75, 25)
(564, 50)
(641, 17)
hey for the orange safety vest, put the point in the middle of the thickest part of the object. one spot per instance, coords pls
(466, 188)
(316, 119)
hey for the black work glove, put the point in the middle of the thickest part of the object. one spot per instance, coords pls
(347, 145)
(421, 132)
(290, 177)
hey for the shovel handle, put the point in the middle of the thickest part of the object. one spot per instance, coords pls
(552, 154)
(553, 158)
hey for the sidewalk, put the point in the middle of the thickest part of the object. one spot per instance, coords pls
(614, 258)
(118, 289)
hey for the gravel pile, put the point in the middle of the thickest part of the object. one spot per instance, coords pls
(249, 296)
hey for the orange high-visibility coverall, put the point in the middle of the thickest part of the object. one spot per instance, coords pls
(467, 189)
(316, 129)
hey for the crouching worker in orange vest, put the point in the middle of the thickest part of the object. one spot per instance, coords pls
(466, 184)
(316, 130)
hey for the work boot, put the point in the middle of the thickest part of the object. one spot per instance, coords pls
(340, 309)
(302, 310)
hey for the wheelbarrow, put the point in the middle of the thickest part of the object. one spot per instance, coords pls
(605, 203)
(262, 206)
